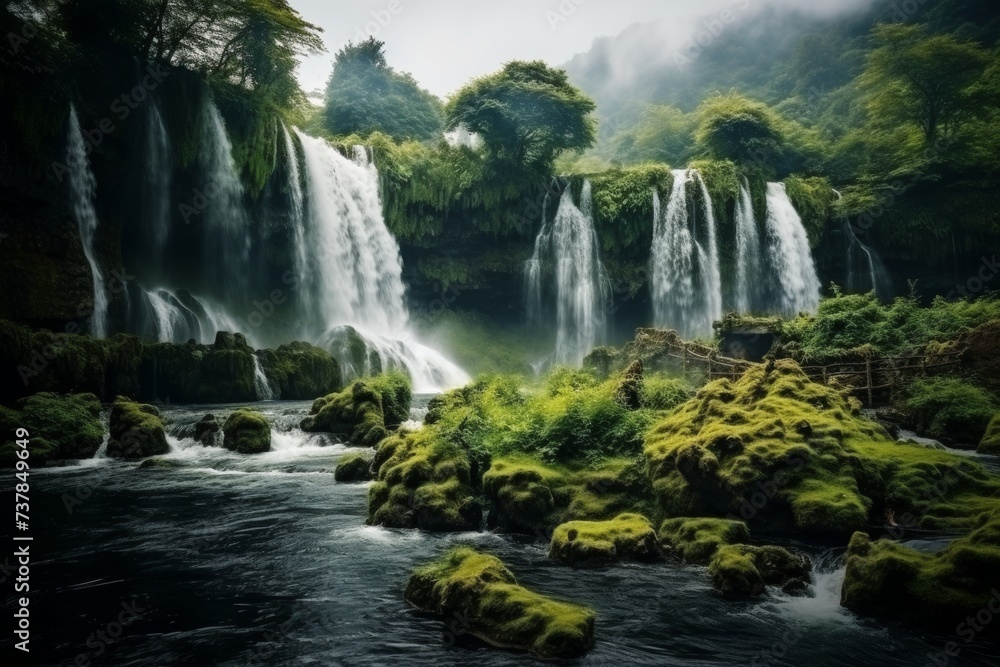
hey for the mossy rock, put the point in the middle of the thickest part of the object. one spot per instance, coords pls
(990, 444)
(746, 570)
(423, 481)
(949, 409)
(300, 371)
(479, 589)
(937, 591)
(593, 543)
(528, 496)
(219, 373)
(696, 540)
(791, 455)
(208, 431)
(247, 432)
(353, 468)
(136, 431)
(59, 428)
(363, 411)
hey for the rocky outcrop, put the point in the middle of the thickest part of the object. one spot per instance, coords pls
(57, 428)
(353, 468)
(247, 432)
(745, 570)
(363, 412)
(594, 543)
(136, 431)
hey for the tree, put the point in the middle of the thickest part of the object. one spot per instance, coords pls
(365, 95)
(924, 80)
(733, 127)
(527, 115)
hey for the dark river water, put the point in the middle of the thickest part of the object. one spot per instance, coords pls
(228, 559)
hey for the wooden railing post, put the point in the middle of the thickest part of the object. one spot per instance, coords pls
(868, 373)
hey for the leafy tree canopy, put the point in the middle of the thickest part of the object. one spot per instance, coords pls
(527, 115)
(365, 95)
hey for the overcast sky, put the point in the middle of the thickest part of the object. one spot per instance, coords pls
(444, 43)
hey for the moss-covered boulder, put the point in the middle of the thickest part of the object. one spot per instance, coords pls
(300, 371)
(696, 540)
(949, 409)
(208, 431)
(938, 591)
(481, 591)
(744, 570)
(788, 454)
(593, 543)
(353, 468)
(136, 431)
(423, 481)
(219, 373)
(364, 411)
(990, 444)
(528, 496)
(59, 428)
(247, 432)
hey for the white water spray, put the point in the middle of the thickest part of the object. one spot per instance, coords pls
(261, 384)
(797, 284)
(748, 253)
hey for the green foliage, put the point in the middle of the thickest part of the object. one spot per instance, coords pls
(990, 444)
(733, 127)
(929, 590)
(246, 431)
(950, 408)
(474, 586)
(526, 114)
(365, 95)
(663, 134)
(589, 543)
(662, 392)
(813, 199)
(59, 428)
(623, 206)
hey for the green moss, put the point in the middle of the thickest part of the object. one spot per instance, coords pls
(300, 371)
(478, 588)
(219, 373)
(742, 570)
(585, 543)
(990, 444)
(136, 431)
(59, 427)
(423, 481)
(623, 207)
(353, 468)
(247, 432)
(786, 453)
(933, 590)
(363, 411)
(696, 540)
(950, 409)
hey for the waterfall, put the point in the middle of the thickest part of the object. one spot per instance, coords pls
(83, 187)
(798, 286)
(177, 317)
(261, 384)
(359, 293)
(297, 217)
(749, 276)
(876, 278)
(224, 220)
(685, 279)
(157, 182)
(570, 246)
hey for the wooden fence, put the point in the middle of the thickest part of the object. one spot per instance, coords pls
(862, 377)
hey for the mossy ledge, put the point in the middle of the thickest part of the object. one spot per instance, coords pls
(941, 591)
(364, 411)
(595, 543)
(59, 428)
(745, 570)
(353, 468)
(696, 540)
(790, 455)
(479, 589)
(423, 481)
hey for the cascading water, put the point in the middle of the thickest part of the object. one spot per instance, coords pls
(581, 284)
(224, 220)
(297, 218)
(157, 183)
(685, 279)
(261, 384)
(749, 261)
(359, 287)
(177, 317)
(82, 189)
(859, 256)
(797, 285)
